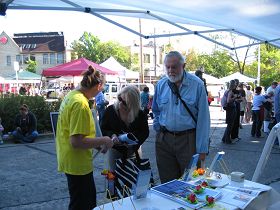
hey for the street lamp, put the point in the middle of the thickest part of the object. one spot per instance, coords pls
(16, 68)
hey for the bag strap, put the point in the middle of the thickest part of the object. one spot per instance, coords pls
(175, 91)
(137, 156)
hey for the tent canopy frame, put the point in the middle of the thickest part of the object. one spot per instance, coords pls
(95, 11)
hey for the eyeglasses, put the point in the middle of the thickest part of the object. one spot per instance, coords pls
(121, 100)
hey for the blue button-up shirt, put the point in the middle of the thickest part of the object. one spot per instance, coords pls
(170, 112)
(277, 103)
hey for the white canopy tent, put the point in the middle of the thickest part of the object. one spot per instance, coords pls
(239, 76)
(210, 80)
(255, 19)
(123, 72)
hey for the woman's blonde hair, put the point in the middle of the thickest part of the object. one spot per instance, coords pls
(91, 77)
(131, 95)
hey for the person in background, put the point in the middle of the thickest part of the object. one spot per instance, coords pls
(75, 138)
(230, 113)
(125, 116)
(199, 74)
(22, 90)
(242, 104)
(236, 123)
(179, 136)
(267, 111)
(258, 101)
(145, 97)
(249, 100)
(272, 87)
(1, 130)
(277, 107)
(26, 126)
(220, 95)
(277, 103)
(101, 104)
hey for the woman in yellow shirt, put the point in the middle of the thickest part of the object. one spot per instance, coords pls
(75, 138)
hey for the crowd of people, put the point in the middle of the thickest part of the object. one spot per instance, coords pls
(180, 111)
(178, 117)
(244, 106)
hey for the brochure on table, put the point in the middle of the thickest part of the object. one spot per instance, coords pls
(128, 138)
(240, 196)
(179, 190)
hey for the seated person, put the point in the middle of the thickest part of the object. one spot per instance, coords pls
(1, 130)
(125, 116)
(26, 126)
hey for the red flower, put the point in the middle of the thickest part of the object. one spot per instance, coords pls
(210, 199)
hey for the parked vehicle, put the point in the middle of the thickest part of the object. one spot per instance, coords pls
(111, 89)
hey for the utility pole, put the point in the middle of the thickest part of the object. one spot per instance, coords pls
(259, 65)
(141, 54)
(155, 54)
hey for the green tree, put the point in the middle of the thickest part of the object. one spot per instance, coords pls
(270, 65)
(32, 65)
(217, 64)
(192, 62)
(90, 47)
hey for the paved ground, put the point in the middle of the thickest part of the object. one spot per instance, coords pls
(29, 179)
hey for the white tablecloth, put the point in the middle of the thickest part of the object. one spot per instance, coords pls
(154, 201)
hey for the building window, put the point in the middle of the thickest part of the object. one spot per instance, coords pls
(147, 58)
(32, 57)
(25, 58)
(9, 61)
(60, 58)
(45, 58)
(19, 59)
(52, 58)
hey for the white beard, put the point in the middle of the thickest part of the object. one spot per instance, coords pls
(175, 78)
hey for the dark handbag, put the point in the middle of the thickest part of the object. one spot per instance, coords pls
(272, 123)
(126, 174)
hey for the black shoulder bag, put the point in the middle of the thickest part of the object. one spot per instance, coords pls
(175, 91)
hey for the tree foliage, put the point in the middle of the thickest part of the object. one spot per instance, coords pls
(32, 65)
(217, 64)
(269, 65)
(90, 47)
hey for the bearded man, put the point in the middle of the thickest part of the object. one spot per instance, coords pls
(181, 132)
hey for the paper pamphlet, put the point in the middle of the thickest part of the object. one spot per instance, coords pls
(128, 138)
(217, 157)
(179, 190)
(190, 168)
(240, 196)
(142, 185)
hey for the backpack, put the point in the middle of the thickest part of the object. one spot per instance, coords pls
(224, 99)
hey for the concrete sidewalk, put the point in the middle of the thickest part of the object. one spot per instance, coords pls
(29, 178)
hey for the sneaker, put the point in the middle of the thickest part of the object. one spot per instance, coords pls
(233, 141)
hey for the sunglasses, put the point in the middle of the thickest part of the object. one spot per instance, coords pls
(121, 100)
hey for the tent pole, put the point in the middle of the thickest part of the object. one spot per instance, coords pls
(259, 65)
(141, 54)
(40, 84)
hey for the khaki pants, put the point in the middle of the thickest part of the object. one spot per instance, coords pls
(173, 154)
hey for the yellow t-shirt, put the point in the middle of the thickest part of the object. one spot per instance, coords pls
(75, 117)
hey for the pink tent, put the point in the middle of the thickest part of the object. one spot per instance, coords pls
(75, 68)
